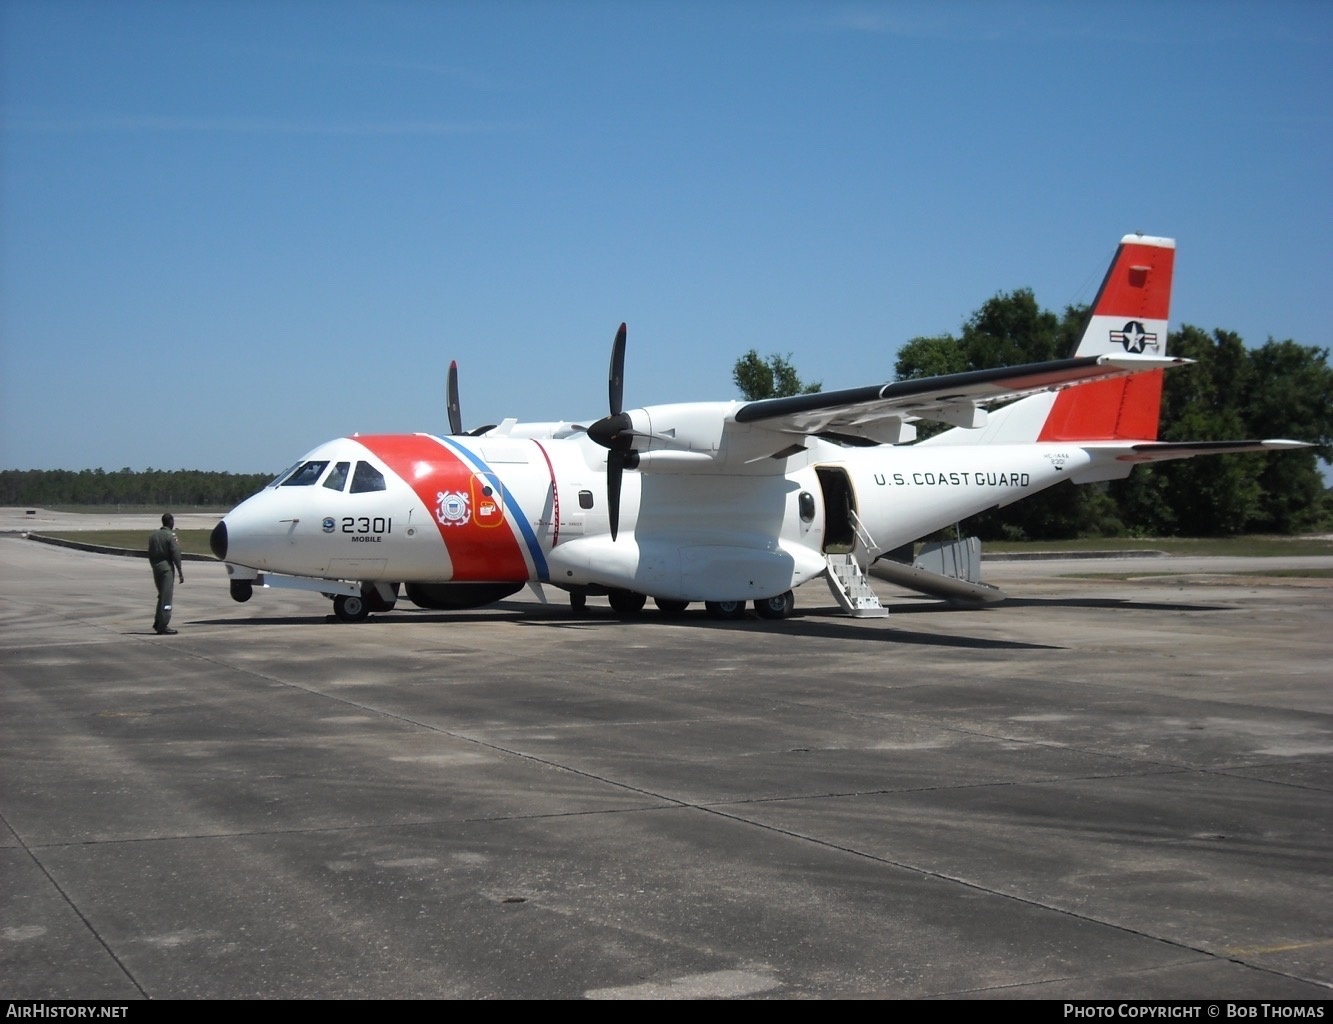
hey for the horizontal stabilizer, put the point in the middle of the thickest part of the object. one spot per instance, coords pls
(1160, 451)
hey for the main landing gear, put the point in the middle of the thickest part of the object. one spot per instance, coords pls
(778, 607)
(350, 608)
(725, 609)
(626, 602)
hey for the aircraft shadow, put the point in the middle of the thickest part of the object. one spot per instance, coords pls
(815, 624)
(828, 625)
(381, 617)
(1105, 603)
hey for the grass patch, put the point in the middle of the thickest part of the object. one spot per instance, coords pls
(193, 542)
(1236, 547)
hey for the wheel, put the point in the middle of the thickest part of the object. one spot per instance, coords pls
(725, 609)
(667, 606)
(578, 600)
(350, 609)
(778, 607)
(242, 590)
(626, 602)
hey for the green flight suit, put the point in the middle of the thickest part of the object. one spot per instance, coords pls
(164, 555)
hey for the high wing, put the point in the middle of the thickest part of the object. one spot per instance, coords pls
(878, 413)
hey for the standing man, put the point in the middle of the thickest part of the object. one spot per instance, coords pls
(164, 555)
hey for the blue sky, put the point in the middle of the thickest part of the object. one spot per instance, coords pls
(232, 230)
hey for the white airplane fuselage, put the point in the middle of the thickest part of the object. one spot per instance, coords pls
(721, 502)
(487, 509)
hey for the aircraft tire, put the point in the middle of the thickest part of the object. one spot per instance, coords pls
(725, 609)
(668, 606)
(349, 608)
(626, 602)
(242, 590)
(578, 601)
(778, 607)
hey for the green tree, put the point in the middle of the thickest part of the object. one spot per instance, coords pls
(1289, 394)
(1231, 393)
(1215, 495)
(930, 357)
(758, 378)
(1010, 329)
(180, 488)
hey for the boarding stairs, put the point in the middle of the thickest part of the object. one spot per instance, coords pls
(847, 580)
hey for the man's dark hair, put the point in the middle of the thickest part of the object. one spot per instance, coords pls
(168, 519)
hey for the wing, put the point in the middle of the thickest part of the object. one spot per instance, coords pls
(877, 412)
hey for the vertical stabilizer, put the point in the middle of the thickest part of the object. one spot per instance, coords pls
(1129, 315)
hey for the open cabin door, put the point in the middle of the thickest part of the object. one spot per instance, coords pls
(839, 504)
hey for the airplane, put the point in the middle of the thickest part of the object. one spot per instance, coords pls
(733, 504)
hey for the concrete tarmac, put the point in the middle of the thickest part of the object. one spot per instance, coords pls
(1099, 789)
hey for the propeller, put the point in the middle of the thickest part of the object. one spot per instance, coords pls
(615, 433)
(455, 413)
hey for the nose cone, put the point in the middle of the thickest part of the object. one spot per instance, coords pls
(217, 541)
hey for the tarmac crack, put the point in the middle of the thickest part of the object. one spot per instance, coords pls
(74, 907)
(941, 876)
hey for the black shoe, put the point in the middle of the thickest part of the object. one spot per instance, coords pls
(166, 632)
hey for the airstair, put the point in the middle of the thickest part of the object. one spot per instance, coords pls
(847, 578)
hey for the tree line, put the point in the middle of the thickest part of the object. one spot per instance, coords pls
(1280, 389)
(174, 488)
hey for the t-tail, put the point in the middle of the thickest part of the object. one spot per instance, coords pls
(1129, 315)
(1117, 417)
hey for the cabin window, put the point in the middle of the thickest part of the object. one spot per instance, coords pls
(306, 474)
(806, 503)
(338, 478)
(367, 478)
(585, 499)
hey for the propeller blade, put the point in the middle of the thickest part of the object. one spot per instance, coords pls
(616, 464)
(455, 415)
(615, 433)
(615, 471)
(616, 388)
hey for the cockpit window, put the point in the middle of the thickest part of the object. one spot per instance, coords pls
(281, 476)
(367, 478)
(338, 477)
(306, 474)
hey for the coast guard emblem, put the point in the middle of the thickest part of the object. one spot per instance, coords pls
(452, 509)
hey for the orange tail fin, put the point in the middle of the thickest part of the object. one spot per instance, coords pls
(1130, 314)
